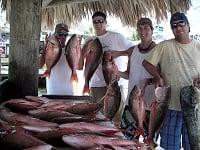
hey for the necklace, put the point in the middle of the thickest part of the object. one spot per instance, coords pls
(145, 49)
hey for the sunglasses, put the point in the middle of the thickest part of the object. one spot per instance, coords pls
(62, 34)
(98, 21)
(178, 24)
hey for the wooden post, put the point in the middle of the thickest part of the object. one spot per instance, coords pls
(25, 26)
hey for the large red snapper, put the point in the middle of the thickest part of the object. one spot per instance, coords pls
(21, 105)
(12, 137)
(93, 59)
(83, 141)
(73, 53)
(112, 100)
(20, 119)
(52, 54)
(137, 109)
(158, 111)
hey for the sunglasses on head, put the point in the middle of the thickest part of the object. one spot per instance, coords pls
(98, 21)
(62, 34)
(178, 24)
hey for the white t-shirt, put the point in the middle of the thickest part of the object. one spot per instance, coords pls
(111, 41)
(138, 73)
(59, 81)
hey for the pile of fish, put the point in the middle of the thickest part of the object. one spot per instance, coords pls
(157, 113)
(38, 123)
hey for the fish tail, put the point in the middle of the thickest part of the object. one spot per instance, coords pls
(139, 131)
(45, 74)
(74, 78)
(86, 90)
(149, 141)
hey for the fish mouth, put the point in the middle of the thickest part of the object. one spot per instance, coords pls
(162, 93)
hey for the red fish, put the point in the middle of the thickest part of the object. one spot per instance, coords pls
(158, 111)
(112, 100)
(61, 120)
(137, 109)
(37, 99)
(49, 114)
(21, 105)
(93, 59)
(83, 141)
(91, 127)
(16, 138)
(73, 52)
(52, 54)
(40, 147)
(85, 108)
(19, 119)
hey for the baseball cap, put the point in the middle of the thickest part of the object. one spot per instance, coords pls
(145, 21)
(61, 26)
(99, 13)
(178, 16)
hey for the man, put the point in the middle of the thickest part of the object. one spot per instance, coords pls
(136, 73)
(180, 65)
(58, 83)
(109, 40)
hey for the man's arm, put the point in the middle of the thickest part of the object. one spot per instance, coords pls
(153, 70)
(125, 74)
(114, 53)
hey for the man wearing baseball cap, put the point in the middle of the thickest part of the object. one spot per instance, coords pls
(180, 66)
(136, 76)
(61, 26)
(58, 83)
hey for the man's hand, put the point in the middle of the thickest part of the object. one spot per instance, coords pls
(196, 82)
(159, 82)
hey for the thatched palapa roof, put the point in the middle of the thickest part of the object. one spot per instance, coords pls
(73, 11)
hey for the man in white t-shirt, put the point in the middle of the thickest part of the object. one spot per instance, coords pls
(58, 83)
(136, 74)
(110, 41)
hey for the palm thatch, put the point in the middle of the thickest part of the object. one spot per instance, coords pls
(129, 11)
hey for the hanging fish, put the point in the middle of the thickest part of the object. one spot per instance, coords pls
(52, 54)
(190, 104)
(73, 53)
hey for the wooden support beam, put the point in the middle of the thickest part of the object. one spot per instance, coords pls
(25, 26)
